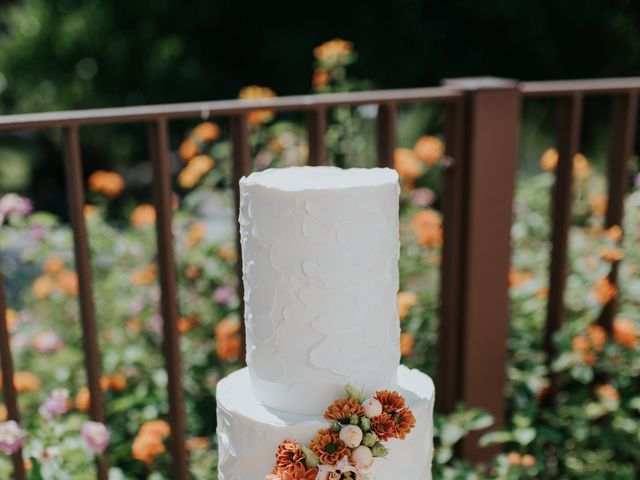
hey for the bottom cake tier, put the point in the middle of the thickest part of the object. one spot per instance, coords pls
(249, 433)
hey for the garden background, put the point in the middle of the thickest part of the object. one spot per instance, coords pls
(66, 54)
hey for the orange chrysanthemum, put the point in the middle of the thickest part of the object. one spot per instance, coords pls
(289, 456)
(342, 409)
(328, 447)
(384, 426)
(306, 474)
(625, 333)
(392, 402)
(109, 184)
(155, 427)
(146, 448)
(404, 422)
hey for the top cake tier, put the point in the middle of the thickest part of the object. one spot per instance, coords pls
(320, 249)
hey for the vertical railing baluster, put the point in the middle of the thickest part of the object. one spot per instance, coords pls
(386, 133)
(162, 198)
(242, 166)
(623, 131)
(316, 129)
(569, 120)
(8, 388)
(451, 275)
(76, 200)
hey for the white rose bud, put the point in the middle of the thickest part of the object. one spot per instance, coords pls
(372, 407)
(351, 435)
(362, 458)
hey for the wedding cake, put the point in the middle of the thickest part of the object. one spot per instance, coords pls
(320, 248)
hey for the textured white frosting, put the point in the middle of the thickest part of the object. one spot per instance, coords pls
(249, 433)
(320, 248)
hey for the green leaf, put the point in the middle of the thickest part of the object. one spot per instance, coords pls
(443, 454)
(524, 436)
(483, 421)
(450, 434)
(493, 438)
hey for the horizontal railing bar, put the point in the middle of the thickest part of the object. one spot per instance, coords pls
(221, 107)
(568, 87)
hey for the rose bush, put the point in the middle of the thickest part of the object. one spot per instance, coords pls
(592, 431)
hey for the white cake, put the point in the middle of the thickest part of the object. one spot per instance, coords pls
(320, 249)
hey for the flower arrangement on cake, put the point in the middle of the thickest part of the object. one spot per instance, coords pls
(348, 447)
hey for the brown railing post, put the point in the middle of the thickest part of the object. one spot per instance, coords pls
(489, 164)
(569, 119)
(316, 129)
(241, 168)
(75, 196)
(449, 374)
(386, 133)
(623, 131)
(162, 197)
(8, 388)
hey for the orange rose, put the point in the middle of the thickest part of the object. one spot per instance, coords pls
(109, 184)
(549, 160)
(188, 149)
(186, 323)
(207, 131)
(614, 233)
(228, 348)
(597, 337)
(406, 300)
(196, 232)
(227, 327)
(192, 272)
(144, 276)
(253, 92)
(428, 228)
(52, 265)
(603, 291)
(11, 317)
(227, 253)
(608, 392)
(406, 164)
(194, 171)
(68, 282)
(320, 78)
(518, 279)
(625, 333)
(334, 51)
(26, 382)
(83, 399)
(198, 443)
(143, 215)
(42, 287)
(407, 341)
(146, 448)
(155, 428)
(429, 149)
(612, 255)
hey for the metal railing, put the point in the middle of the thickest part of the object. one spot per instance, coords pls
(481, 127)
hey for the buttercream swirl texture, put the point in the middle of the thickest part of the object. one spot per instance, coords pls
(320, 249)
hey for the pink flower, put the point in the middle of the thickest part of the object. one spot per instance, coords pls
(422, 197)
(38, 232)
(96, 435)
(55, 404)
(12, 437)
(47, 342)
(13, 204)
(223, 295)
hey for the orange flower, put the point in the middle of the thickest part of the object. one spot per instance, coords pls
(144, 276)
(597, 337)
(306, 474)
(598, 204)
(625, 333)
(143, 215)
(116, 383)
(186, 323)
(392, 402)
(194, 171)
(192, 272)
(407, 340)
(589, 358)
(155, 428)
(612, 254)
(196, 232)
(109, 184)
(404, 423)
(68, 282)
(188, 149)
(253, 92)
(52, 265)
(328, 447)
(383, 426)
(42, 287)
(320, 78)
(198, 443)
(406, 300)
(428, 228)
(406, 164)
(608, 391)
(581, 167)
(518, 279)
(26, 382)
(543, 292)
(207, 131)
(83, 399)
(11, 317)
(549, 160)
(342, 409)
(4, 413)
(228, 348)
(613, 233)
(289, 457)
(227, 327)
(429, 149)
(603, 291)
(227, 253)
(528, 461)
(134, 325)
(89, 211)
(579, 344)
(333, 51)
(146, 448)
